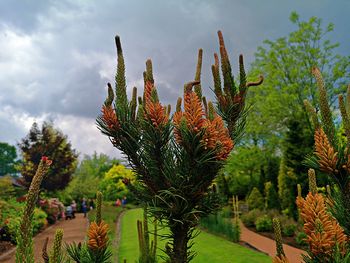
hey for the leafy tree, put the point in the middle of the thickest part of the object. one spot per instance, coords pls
(112, 184)
(50, 142)
(248, 166)
(8, 160)
(88, 175)
(255, 199)
(287, 63)
(242, 170)
(279, 120)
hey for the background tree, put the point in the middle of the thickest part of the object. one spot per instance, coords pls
(271, 197)
(242, 170)
(287, 63)
(50, 142)
(7, 189)
(8, 159)
(247, 167)
(87, 177)
(255, 199)
(287, 188)
(278, 123)
(112, 184)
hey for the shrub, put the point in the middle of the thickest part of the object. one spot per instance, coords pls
(289, 229)
(39, 220)
(219, 225)
(53, 208)
(10, 218)
(289, 226)
(272, 213)
(255, 199)
(7, 189)
(263, 224)
(249, 218)
(226, 212)
(300, 238)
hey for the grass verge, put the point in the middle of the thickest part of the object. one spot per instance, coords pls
(209, 248)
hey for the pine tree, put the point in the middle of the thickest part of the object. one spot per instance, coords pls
(271, 197)
(331, 153)
(286, 180)
(176, 158)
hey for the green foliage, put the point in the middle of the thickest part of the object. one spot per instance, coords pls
(249, 218)
(248, 166)
(339, 209)
(242, 170)
(50, 142)
(80, 253)
(147, 247)
(263, 224)
(287, 63)
(221, 225)
(112, 184)
(300, 238)
(7, 189)
(8, 160)
(271, 197)
(278, 106)
(288, 230)
(87, 177)
(286, 179)
(10, 218)
(255, 199)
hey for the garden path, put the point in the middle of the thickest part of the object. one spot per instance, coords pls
(74, 230)
(268, 245)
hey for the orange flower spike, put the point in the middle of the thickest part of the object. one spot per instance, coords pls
(177, 122)
(322, 229)
(110, 118)
(156, 113)
(327, 157)
(149, 86)
(193, 112)
(97, 236)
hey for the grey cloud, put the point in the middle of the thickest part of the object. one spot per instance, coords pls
(57, 56)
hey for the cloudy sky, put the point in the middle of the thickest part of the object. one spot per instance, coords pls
(57, 56)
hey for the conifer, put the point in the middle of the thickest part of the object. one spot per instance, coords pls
(176, 158)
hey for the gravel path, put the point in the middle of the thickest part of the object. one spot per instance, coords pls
(74, 230)
(268, 245)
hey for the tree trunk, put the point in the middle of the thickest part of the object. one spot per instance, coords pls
(181, 237)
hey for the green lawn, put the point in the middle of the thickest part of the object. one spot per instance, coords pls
(209, 248)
